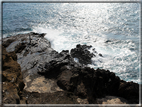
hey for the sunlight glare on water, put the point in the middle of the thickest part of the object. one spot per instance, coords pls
(111, 28)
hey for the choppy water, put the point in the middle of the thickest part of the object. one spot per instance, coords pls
(111, 28)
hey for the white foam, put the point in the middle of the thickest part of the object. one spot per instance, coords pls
(76, 60)
(117, 56)
(56, 37)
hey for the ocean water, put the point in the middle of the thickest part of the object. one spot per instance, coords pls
(113, 29)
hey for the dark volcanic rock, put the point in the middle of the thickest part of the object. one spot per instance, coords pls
(87, 82)
(55, 78)
(64, 79)
(13, 86)
(129, 91)
(52, 68)
(20, 47)
(33, 52)
(91, 84)
(81, 52)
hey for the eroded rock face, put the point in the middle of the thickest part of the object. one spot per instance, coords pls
(12, 80)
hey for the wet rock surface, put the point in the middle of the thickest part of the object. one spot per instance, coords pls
(48, 77)
(82, 53)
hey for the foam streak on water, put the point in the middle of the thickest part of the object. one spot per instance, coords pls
(111, 28)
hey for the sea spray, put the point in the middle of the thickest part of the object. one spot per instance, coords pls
(111, 28)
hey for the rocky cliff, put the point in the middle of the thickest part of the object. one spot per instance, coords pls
(44, 76)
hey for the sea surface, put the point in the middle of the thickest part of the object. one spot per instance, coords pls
(113, 29)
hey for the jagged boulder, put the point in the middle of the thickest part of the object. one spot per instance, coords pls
(53, 67)
(82, 53)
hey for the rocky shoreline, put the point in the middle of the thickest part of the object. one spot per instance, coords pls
(34, 73)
